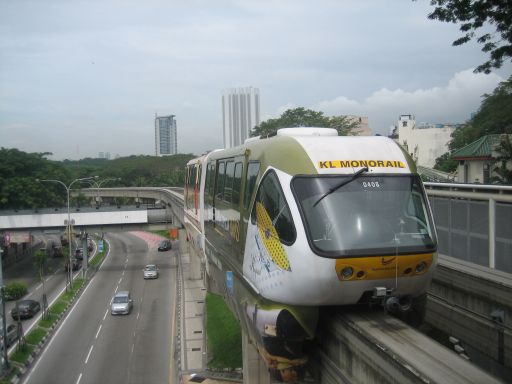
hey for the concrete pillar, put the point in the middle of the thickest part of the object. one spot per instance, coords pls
(255, 369)
(182, 237)
(195, 264)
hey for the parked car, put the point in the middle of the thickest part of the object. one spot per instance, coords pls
(164, 245)
(27, 308)
(12, 335)
(121, 303)
(150, 271)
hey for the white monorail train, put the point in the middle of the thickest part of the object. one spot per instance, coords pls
(304, 219)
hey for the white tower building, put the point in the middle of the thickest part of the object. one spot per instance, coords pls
(240, 114)
(166, 140)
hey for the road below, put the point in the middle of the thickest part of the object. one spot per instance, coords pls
(92, 346)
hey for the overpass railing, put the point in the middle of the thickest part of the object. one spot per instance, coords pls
(474, 222)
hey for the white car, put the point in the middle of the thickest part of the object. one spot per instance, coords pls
(150, 271)
(121, 303)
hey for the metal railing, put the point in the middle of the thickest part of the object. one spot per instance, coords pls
(474, 222)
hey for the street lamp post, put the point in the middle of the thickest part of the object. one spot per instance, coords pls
(99, 183)
(68, 189)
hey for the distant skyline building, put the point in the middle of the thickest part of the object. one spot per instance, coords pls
(166, 135)
(104, 155)
(240, 114)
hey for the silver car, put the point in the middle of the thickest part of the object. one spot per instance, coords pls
(121, 303)
(150, 271)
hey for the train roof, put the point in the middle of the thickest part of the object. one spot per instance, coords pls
(312, 150)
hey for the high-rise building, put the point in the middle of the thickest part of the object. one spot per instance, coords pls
(240, 114)
(166, 140)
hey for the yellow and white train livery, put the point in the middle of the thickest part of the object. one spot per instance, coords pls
(304, 219)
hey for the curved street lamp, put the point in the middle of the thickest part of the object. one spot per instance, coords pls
(99, 184)
(68, 188)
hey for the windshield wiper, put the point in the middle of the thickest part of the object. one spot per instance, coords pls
(344, 182)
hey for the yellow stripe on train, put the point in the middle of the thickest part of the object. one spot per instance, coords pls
(361, 163)
(383, 267)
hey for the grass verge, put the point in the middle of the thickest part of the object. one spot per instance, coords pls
(224, 335)
(98, 257)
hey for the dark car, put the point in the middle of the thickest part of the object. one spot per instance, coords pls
(79, 253)
(27, 308)
(165, 245)
(76, 264)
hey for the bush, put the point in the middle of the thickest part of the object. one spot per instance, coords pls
(14, 291)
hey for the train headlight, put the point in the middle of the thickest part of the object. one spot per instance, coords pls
(421, 267)
(347, 272)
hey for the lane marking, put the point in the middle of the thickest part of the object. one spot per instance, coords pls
(99, 329)
(105, 316)
(79, 378)
(39, 286)
(89, 354)
(121, 279)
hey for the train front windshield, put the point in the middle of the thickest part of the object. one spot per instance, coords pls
(366, 215)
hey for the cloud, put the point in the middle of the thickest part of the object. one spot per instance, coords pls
(452, 103)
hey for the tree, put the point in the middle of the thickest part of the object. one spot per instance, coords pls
(301, 117)
(502, 171)
(493, 117)
(475, 14)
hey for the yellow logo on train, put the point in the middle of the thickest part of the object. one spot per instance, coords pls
(360, 163)
(270, 238)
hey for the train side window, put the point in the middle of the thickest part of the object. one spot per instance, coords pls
(237, 181)
(228, 185)
(210, 178)
(219, 186)
(250, 181)
(191, 180)
(272, 200)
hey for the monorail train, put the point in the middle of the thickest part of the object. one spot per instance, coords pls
(304, 219)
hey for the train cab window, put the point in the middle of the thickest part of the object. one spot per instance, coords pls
(271, 205)
(228, 185)
(250, 181)
(237, 181)
(221, 175)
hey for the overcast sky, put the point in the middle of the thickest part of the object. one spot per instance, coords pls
(82, 77)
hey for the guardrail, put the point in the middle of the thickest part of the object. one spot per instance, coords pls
(473, 222)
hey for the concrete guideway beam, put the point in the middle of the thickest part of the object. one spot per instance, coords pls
(365, 346)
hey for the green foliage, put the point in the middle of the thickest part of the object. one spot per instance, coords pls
(224, 337)
(475, 14)
(20, 170)
(18, 185)
(35, 336)
(301, 117)
(48, 321)
(445, 163)
(504, 156)
(15, 290)
(21, 355)
(493, 117)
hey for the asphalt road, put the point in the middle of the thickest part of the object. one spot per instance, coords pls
(92, 346)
